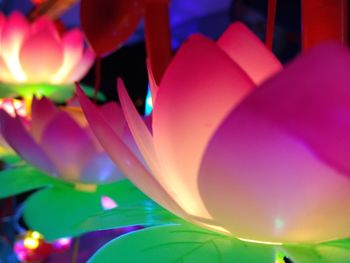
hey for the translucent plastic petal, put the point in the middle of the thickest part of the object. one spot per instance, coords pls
(140, 132)
(76, 113)
(314, 103)
(67, 145)
(100, 169)
(199, 88)
(73, 47)
(247, 50)
(14, 32)
(123, 157)
(41, 56)
(262, 184)
(114, 115)
(152, 82)
(144, 142)
(2, 23)
(22, 142)
(82, 67)
(44, 23)
(43, 111)
(5, 74)
(282, 156)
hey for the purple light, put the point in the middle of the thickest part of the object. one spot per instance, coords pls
(62, 244)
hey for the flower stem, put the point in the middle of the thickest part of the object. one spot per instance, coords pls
(158, 39)
(270, 27)
(324, 20)
(76, 250)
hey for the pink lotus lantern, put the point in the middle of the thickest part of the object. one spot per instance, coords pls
(267, 164)
(65, 162)
(13, 107)
(60, 143)
(36, 59)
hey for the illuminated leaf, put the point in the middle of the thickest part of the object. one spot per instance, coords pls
(22, 179)
(58, 93)
(328, 252)
(9, 158)
(181, 243)
(124, 192)
(146, 213)
(134, 208)
(57, 212)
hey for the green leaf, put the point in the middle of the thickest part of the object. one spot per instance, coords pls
(57, 93)
(90, 92)
(147, 213)
(328, 252)
(22, 179)
(181, 243)
(134, 208)
(123, 191)
(10, 158)
(54, 212)
(58, 212)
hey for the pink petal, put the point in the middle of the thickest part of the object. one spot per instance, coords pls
(246, 49)
(68, 146)
(277, 168)
(144, 142)
(21, 141)
(152, 82)
(123, 157)
(262, 184)
(83, 66)
(2, 23)
(141, 134)
(313, 106)
(46, 24)
(73, 47)
(100, 169)
(41, 56)
(199, 88)
(5, 74)
(15, 31)
(114, 115)
(43, 111)
(129, 141)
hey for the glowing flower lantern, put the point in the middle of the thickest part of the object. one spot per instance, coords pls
(68, 163)
(12, 107)
(265, 164)
(60, 143)
(36, 59)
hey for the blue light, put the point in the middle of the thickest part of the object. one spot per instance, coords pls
(148, 103)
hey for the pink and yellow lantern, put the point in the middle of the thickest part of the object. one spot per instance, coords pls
(59, 142)
(240, 145)
(36, 59)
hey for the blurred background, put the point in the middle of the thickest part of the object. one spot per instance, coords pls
(186, 17)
